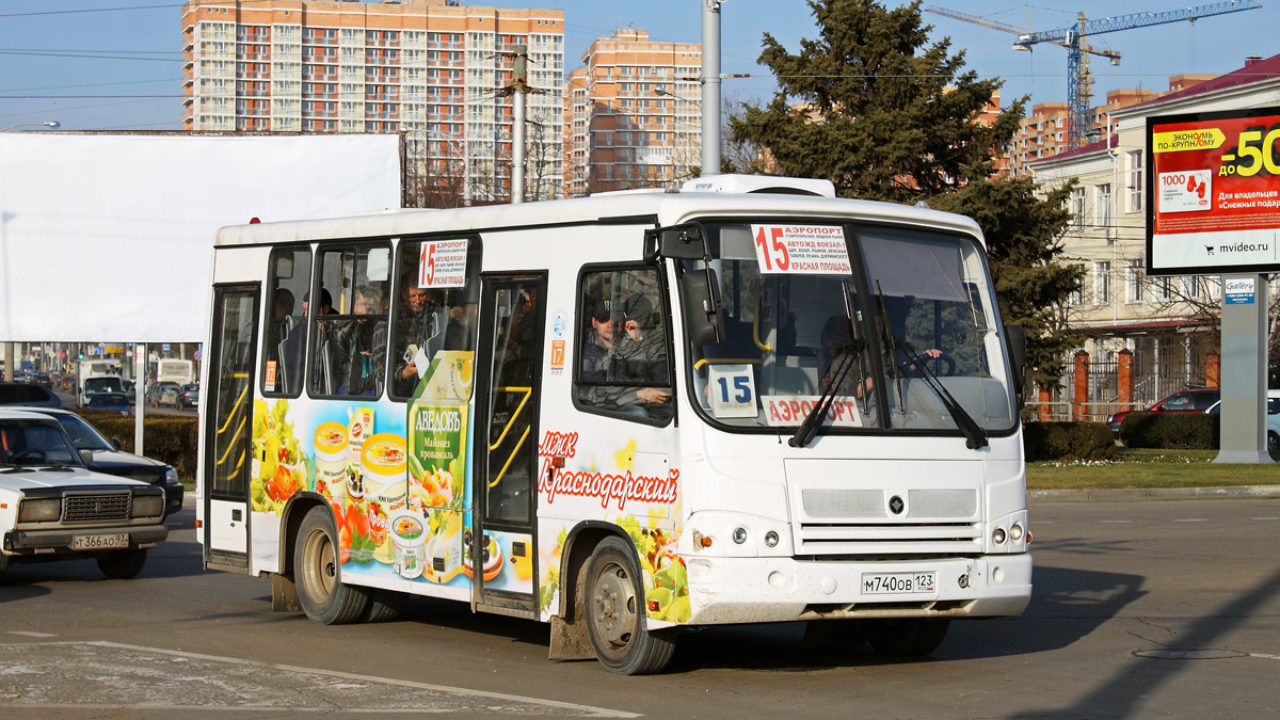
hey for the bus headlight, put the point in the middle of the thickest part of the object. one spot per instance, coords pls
(771, 539)
(998, 536)
(740, 535)
(1015, 532)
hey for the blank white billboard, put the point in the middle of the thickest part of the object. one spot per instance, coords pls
(110, 237)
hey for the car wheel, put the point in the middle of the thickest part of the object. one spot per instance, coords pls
(907, 637)
(318, 573)
(615, 613)
(1273, 442)
(122, 564)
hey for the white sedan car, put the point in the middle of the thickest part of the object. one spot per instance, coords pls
(1273, 418)
(52, 507)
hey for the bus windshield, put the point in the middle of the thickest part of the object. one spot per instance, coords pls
(890, 328)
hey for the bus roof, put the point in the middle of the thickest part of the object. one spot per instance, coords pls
(660, 208)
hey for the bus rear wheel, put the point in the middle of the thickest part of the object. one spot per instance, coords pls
(318, 573)
(615, 613)
(907, 637)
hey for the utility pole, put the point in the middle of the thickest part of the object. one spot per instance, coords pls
(520, 92)
(711, 87)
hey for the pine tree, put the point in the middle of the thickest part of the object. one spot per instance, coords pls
(884, 114)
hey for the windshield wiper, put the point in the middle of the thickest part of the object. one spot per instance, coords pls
(851, 355)
(975, 436)
(891, 348)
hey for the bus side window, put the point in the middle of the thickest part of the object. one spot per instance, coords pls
(622, 364)
(429, 316)
(285, 331)
(349, 346)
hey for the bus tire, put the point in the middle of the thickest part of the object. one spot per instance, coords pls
(907, 637)
(318, 574)
(614, 608)
(384, 605)
(122, 564)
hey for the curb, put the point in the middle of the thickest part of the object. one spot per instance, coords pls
(1146, 494)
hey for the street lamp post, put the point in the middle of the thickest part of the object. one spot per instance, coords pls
(8, 346)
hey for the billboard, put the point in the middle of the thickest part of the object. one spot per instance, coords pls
(1213, 192)
(110, 236)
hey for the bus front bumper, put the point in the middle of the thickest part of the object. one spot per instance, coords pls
(740, 590)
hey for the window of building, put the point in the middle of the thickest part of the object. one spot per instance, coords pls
(349, 347)
(1101, 283)
(1077, 207)
(1134, 278)
(622, 367)
(1134, 185)
(1164, 288)
(1102, 208)
(1076, 298)
(1191, 286)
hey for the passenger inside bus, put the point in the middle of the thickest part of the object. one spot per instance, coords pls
(359, 346)
(624, 363)
(419, 334)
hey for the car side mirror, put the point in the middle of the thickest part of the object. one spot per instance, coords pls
(115, 444)
(86, 457)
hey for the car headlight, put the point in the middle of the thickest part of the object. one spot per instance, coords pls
(40, 510)
(170, 476)
(148, 505)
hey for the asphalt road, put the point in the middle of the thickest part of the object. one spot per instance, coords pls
(1140, 610)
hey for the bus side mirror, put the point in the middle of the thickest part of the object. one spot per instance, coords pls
(678, 243)
(703, 319)
(1015, 337)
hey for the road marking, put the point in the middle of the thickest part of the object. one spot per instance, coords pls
(1191, 520)
(29, 633)
(1116, 522)
(1266, 518)
(110, 675)
(1265, 656)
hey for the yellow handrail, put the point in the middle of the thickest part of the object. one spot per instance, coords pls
(755, 326)
(511, 457)
(234, 405)
(725, 361)
(232, 443)
(528, 393)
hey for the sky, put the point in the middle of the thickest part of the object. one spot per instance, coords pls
(118, 67)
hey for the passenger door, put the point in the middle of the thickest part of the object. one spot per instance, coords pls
(500, 541)
(227, 426)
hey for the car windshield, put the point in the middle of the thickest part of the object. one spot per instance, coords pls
(880, 317)
(83, 435)
(34, 442)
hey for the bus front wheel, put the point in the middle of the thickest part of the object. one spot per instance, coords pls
(907, 637)
(318, 573)
(615, 613)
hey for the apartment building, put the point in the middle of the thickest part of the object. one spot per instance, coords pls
(1044, 132)
(1169, 324)
(436, 71)
(632, 114)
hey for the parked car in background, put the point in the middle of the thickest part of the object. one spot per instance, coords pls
(163, 393)
(1273, 418)
(107, 457)
(189, 395)
(1184, 401)
(52, 507)
(110, 402)
(13, 393)
(130, 390)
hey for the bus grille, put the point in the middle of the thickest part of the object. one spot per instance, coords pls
(82, 508)
(885, 540)
(864, 522)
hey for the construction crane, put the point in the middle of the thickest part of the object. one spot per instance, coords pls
(1074, 39)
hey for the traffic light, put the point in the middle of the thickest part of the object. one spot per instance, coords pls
(81, 356)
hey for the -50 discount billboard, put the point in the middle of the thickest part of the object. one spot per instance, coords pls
(1213, 192)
